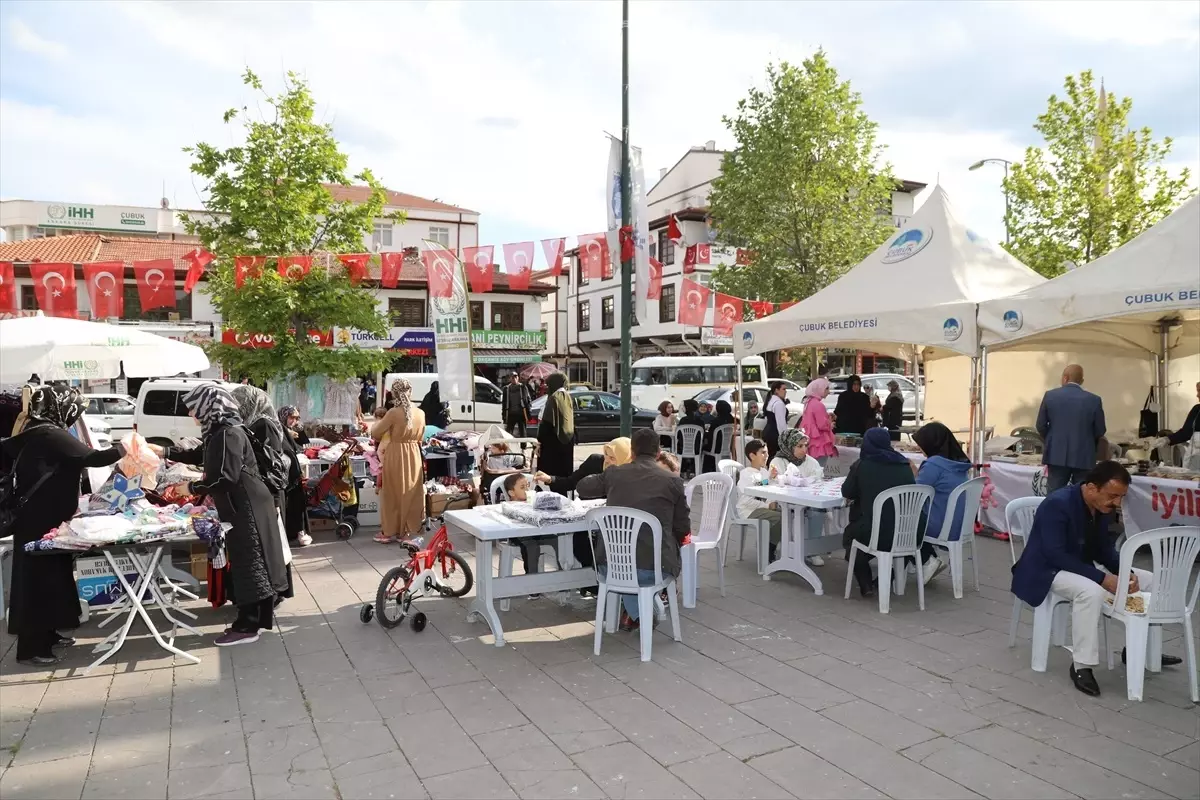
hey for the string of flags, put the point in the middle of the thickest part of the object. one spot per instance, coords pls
(728, 309)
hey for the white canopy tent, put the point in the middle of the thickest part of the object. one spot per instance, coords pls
(916, 295)
(1141, 299)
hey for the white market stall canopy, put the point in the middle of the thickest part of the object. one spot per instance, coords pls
(1115, 303)
(62, 349)
(920, 287)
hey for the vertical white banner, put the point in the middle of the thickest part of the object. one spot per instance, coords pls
(612, 191)
(640, 221)
(450, 318)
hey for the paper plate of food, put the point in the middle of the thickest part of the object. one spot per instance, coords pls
(1134, 603)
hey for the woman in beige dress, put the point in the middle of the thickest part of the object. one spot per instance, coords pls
(402, 501)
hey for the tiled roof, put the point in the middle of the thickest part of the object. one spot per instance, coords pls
(360, 194)
(72, 249)
(133, 249)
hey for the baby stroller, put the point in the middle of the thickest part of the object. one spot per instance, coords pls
(335, 494)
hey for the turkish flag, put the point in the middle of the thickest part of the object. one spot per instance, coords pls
(762, 308)
(593, 255)
(197, 260)
(553, 250)
(390, 265)
(693, 303)
(689, 260)
(247, 267)
(729, 312)
(356, 266)
(105, 281)
(627, 243)
(518, 262)
(478, 261)
(294, 267)
(440, 267)
(155, 282)
(8, 288)
(54, 287)
(704, 254)
(744, 257)
(673, 232)
(654, 287)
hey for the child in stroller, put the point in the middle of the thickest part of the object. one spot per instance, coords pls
(335, 495)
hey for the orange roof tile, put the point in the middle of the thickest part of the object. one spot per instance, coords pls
(72, 249)
(360, 194)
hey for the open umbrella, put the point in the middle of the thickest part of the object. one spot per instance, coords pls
(61, 348)
(539, 369)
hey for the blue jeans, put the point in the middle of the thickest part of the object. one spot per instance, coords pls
(630, 601)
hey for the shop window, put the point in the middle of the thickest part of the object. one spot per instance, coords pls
(477, 315)
(406, 312)
(508, 316)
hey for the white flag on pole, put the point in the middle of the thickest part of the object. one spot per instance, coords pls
(640, 221)
(451, 321)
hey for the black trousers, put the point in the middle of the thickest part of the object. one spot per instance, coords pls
(256, 616)
(514, 421)
(32, 645)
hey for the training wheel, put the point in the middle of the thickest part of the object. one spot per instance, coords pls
(344, 531)
(366, 613)
(418, 621)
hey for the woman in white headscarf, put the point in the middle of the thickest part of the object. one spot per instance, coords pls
(402, 502)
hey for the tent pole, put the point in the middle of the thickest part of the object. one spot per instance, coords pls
(743, 407)
(1165, 371)
(974, 415)
(917, 381)
(983, 387)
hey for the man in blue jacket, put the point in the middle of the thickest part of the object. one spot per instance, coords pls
(1071, 422)
(1063, 554)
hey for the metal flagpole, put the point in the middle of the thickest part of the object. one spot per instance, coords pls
(626, 222)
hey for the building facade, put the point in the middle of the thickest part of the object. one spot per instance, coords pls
(582, 318)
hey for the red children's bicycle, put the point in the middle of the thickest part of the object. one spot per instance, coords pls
(433, 569)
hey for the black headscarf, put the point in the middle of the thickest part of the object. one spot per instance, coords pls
(877, 446)
(431, 403)
(61, 406)
(935, 439)
(555, 381)
(724, 413)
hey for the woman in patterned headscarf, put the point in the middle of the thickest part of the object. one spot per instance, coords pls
(295, 505)
(49, 463)
(256, 562)
(402, 501)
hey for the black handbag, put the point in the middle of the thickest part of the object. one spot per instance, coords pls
(12, 500)
(1148, 417)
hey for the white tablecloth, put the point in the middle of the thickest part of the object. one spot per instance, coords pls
(1151, 502)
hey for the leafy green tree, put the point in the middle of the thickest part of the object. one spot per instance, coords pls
(804, 188)
(268, 197)
(1097, 184)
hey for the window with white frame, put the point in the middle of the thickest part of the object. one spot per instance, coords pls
(382, 235)
(440, 235)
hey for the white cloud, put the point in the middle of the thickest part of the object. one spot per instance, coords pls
(27, 40)
(1140, 23)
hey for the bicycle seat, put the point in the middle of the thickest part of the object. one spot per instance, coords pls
(413, 546)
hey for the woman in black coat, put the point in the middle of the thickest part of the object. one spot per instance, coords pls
(556, 430)
(434, 408)
(853, 411)
(256, 562)
(43, 598)
(295, 504)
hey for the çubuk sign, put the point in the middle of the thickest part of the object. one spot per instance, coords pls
(97, 218)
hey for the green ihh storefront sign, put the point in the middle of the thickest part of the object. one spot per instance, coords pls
(531, 340)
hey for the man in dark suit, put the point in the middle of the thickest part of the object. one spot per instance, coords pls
(514, 399)
(1071, 422)
(1066, 547)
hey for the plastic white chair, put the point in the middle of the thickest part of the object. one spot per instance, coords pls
(619, 530)
(968, 495)
(1174, 552)
(688, 441)
(716, 489)
(508, 550)
(722, 438)
(1018, 518)
(744, 525)
(909, 503)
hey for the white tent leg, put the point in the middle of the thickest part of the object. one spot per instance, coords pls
(739, 449)
(983, 387)
(974, 413)
(1163, 403)
(917, 381)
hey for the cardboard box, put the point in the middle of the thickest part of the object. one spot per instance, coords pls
(439, 504)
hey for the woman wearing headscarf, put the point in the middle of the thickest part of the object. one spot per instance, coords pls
(878, 469)
(794, 459)
(402, 502)
(556, 431)
(257, 570)
(49, 464)
(295, 504)
(946, 468)
(723, 416)
(816, 423)
(853, 413)
(893, 410)
(434, 409)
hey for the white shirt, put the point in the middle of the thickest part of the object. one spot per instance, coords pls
(778, 407)
(750, 477)
(664, 425)
(811, 468)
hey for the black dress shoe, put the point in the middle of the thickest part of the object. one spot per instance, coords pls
(1085, 681)
(39, 661)
(1167, 661)
(64, 641)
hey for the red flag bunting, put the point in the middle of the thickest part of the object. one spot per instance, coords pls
(478, 261)
(673, 232)
(54, 286)
(356, 266)
(654, 288)
(593, 255)
(293, 267)
(105, 282)
(390, 265)
(689, 260)
(155, 283)
(762, 308)
(788, 304)
(197, 260)
(744, 257)
(627, 243)
(8, 288)
(729, 311)
(439, 270)
(247, 267)
(518, 262)
(553, 250)
(704, 254)
(693, 303)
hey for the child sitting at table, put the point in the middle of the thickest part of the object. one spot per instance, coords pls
(755, 474)
(793, 459)
(516, 489)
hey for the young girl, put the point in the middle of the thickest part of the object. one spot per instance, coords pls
(793, 459)
(500, 461)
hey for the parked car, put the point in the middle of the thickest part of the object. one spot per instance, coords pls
(597, 416)
(116, 410)
(756, 394)
(100, 432)
(795, 391)
(878, 383)
(160, 416)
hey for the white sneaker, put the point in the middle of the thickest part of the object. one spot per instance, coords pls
(932, 567)
(814, 561)
(304, 540)
(911, 569)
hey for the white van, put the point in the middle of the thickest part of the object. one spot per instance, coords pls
(465, 415)
(161, 416)
(677, 378)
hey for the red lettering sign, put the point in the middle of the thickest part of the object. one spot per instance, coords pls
(262, 340)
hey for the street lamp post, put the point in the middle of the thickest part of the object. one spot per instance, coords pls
(626, 213)
(1006, 164)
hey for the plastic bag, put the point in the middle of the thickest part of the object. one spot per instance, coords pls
(139, 460)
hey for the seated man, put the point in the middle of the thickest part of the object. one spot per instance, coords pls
(1068, 540)
(645, 486)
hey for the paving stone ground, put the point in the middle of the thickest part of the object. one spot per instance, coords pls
(774, 692)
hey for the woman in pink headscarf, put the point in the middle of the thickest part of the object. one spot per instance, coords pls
(815, 422)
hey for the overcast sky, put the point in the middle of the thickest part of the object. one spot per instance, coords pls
(501, 107)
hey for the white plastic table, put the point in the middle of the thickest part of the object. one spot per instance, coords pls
(793, 547)
(488, 526)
